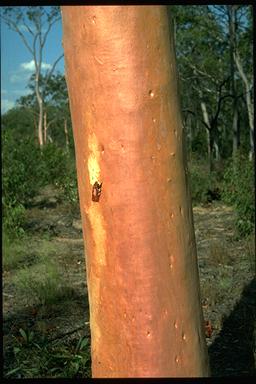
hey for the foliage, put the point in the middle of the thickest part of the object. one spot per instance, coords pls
(14, 217)
(53, 89)
(34, 356)
(59, 169)
(20, 121)
(204, 186)
(21, 166)
(55, 94)
(203, 44)
(26, 169)
(238, 190)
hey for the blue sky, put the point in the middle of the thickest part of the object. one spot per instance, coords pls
(16, 62)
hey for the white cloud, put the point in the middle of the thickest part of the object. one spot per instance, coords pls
(25, 70)
(30, 66)
(6, 105)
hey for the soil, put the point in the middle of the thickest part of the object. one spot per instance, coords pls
(227, 278)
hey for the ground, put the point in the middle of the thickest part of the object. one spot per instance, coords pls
(45, 305)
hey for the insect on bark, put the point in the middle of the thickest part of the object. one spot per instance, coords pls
(96, 191)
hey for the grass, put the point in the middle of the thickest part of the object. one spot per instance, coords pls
(38, 272)
(26, 251)
(37, 277)
(33, 357)
(46, 300)
(42, 284)
(219, 254)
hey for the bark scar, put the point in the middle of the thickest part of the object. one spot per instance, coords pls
(96, 191)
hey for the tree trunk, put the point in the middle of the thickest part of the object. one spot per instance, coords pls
(216, 150)
(142, 274)
(231, 12)
(236, 131)
(208, 134)
(45, 127)
(40, 105)
(66, 133)
(189, 136)
(249, 101)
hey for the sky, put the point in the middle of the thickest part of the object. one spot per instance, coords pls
(17, 64)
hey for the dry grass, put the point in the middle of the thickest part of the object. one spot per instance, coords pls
(220, 254)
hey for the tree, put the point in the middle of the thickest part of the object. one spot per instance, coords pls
(236, 23)
(203, 74)
(33, 25)
(18, 120)
(232, 27)
(247, 78)
(56, 108)
(142, 275)
(213, 98)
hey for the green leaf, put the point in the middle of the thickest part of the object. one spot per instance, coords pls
(23, 334)
(13, 371)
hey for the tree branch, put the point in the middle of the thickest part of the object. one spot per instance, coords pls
(28, 28)
(14, 27)
(48, 29)
(240, 69)
(52, 69)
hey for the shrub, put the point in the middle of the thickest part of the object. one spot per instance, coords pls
(59, 169)
(204, 186)
(54, 163)
(21, 179)
(238, 190)
(26, 169)
(14, 217)
(21, 169)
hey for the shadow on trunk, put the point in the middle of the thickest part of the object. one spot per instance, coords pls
(232, 353)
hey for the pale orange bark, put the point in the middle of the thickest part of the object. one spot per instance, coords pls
(142, 275)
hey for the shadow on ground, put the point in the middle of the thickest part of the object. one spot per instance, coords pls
(232, 352)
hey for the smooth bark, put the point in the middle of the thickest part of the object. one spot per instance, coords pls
(142, 274)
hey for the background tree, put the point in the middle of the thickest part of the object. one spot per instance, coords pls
(33, 25)
(56, 118)
(213, 94)
(244, 67)
(236, 23)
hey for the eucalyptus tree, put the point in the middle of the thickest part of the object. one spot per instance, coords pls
(204, 77)
(56, 107)
(214, 54)
(142, 275)
(236, 24)
(33, 24)
(243, 60)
